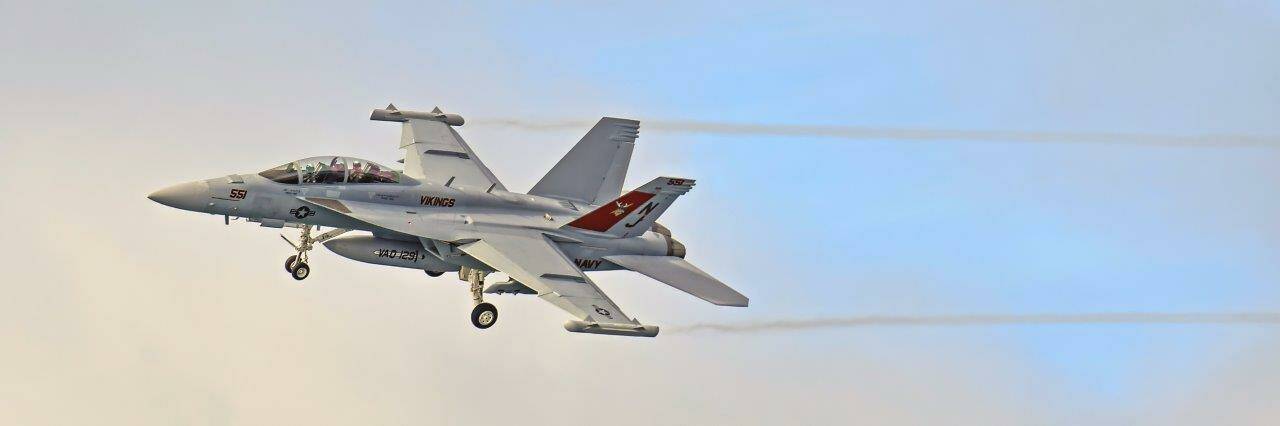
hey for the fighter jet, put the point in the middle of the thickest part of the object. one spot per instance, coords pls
(446, 212)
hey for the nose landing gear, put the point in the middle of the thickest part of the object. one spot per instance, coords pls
(297, 268)
(297, 265)
(300, 271)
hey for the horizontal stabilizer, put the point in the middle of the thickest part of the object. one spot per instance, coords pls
(682, 275)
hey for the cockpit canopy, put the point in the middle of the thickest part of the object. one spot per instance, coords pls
(331, 170)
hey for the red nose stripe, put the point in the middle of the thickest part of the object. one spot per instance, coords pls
(603, 218)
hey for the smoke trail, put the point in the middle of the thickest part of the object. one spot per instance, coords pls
(904, 134)
(977, 320)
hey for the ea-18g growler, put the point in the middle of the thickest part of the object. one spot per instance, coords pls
(447, 212)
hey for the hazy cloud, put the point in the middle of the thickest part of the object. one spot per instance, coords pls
(901, 134)
(981, 320)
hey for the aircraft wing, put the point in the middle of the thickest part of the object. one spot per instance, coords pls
(527, 255)
(682, 275)
(435, 152)
(532, 259)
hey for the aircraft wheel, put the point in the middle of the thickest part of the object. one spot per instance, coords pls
(300, 271)
(484, 315)
(434, 273)
(289, 263)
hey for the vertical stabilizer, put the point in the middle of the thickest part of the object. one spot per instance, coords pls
(592, 172)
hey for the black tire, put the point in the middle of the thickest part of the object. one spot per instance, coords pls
(484, 315)
(288, 263)
(300, 271)
(434, 273)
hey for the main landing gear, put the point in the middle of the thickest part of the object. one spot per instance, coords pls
(297, 265)
(484, 314)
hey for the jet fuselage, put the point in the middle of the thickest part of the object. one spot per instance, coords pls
(274, 204)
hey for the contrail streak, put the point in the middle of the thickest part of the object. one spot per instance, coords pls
(979, 320)
(903, 134)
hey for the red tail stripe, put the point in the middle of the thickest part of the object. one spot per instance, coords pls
(603, 218)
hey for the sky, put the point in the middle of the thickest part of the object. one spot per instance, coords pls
(123, 311)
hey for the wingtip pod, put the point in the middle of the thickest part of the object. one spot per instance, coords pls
(390, 113)
(637, 330)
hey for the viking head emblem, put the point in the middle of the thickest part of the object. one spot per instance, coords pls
(622, 208)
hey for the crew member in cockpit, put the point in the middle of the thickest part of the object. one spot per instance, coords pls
(357, 172)
(309, 173)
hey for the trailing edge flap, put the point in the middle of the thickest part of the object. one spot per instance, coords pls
(682, 275)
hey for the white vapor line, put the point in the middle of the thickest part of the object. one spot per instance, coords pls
(901, 134)
(981, 320)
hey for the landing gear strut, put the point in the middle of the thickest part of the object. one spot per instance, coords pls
(483, 315)
(297, 265)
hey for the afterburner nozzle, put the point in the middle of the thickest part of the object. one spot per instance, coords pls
(675, 248)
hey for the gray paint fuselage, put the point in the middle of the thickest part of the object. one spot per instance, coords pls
(274, 204)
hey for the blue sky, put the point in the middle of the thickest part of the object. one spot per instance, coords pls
(806, 226)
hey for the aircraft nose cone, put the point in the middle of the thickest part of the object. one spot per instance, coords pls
(193, 196)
